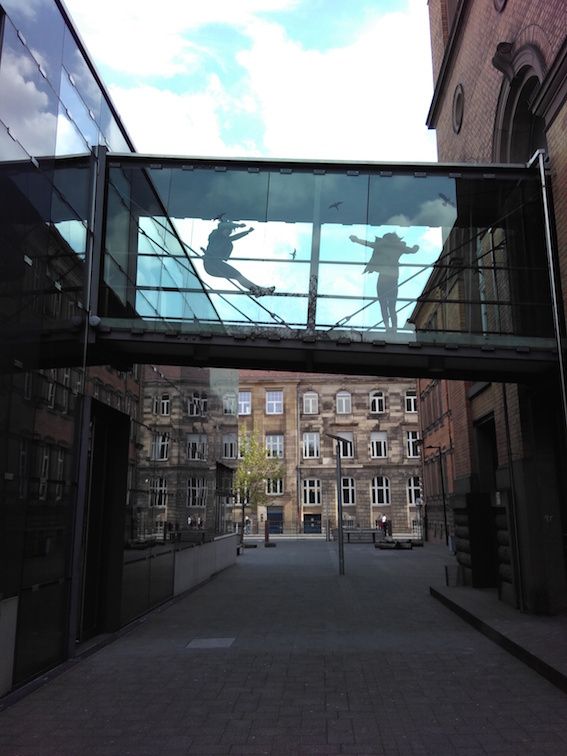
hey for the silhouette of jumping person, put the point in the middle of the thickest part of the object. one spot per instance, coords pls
(385, 260)
(219, 250)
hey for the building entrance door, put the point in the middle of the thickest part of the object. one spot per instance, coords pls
(312, 523)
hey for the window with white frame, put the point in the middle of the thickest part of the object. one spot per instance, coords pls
(377, 402)
(44, 472)
(158, 492)
(23, 469)
(411, 401)
(274, 402)
(349, 491)
(380, 489)
(310, 445)
(412, 443)
(414, 490)
(197, 446)
(196, 492)
(344, 403)
(197, 404)
(244, 403)
(165, 405)
(274, 446)
(28, 385)
(378, 444)
(51, 386)
(244, 445)
(229, 404)
(310, 403)
(160, 404)
(59, 474)
(66, 387)
(229, 446)
(347, 444)
(311, 491)
(274, 486)
(159, 448)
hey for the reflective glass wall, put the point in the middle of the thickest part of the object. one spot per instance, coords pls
(51, 105)
(368, 253)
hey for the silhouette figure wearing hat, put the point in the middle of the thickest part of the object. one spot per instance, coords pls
(219, 250)
(385, 260)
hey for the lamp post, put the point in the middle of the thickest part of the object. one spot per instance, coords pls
(442, 492)
(339, 441)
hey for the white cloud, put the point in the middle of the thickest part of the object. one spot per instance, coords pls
(367, 101)
(364, 101)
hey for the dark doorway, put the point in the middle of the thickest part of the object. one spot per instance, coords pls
(103, 533)
(481, 516)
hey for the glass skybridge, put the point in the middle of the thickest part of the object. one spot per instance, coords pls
(428, 255)
(334, 267)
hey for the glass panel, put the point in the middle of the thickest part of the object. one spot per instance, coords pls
(41, 630)
(87, 87)
(28, 106)
(331, 253)
(43, 28)
(80, 118)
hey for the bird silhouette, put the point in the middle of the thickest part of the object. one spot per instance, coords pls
(446, 200)
(293, 254)
(335, 205)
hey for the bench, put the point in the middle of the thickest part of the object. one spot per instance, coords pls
(361, 536)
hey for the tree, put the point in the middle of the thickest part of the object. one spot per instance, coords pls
(255, 469)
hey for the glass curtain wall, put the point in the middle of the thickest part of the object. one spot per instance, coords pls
(51, 105)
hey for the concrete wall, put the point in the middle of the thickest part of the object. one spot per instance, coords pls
(194, 566)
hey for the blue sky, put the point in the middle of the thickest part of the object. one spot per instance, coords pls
(320, 79)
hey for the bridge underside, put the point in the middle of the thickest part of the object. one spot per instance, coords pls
(396, 270)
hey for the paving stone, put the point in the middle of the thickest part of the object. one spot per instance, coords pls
(282, 655)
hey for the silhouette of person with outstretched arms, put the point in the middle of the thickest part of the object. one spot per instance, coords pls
(219, 250)
(385, 260)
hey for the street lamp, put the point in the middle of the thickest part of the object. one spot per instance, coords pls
(339, 441)
(442, 492)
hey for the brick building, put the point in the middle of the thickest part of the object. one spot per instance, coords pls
(500, 94)
(297, 413)
(188, 426)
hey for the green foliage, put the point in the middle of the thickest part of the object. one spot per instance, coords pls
(254, 469)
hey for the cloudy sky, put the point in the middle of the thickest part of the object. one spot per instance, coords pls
(319, 79)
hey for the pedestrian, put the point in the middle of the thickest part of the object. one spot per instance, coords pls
(385, 525)
(199, 521)
(219, 249)
(189, 521)
(385, 260)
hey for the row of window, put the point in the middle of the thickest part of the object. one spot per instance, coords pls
(379, 491)
(197, 403)
(311, 491)
(197, 445)
(50, 466)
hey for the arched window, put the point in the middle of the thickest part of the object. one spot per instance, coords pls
(377, 402)
(519, 131)
(311, 491)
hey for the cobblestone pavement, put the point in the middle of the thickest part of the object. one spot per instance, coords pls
(282, 655)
